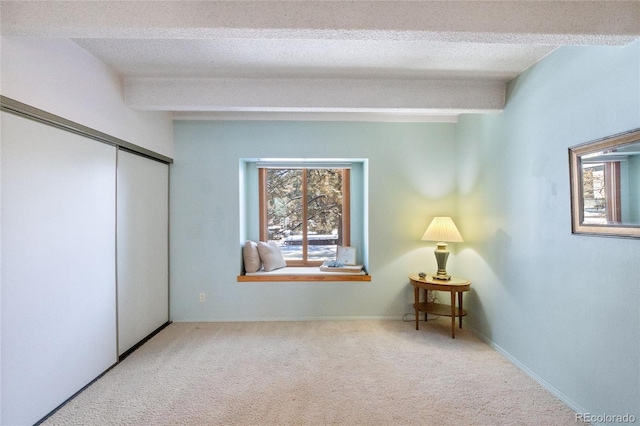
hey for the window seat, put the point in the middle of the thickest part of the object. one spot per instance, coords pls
(303, 273)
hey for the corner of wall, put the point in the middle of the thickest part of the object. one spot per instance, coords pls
(57, 76)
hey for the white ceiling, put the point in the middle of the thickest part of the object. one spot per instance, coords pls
(356, 60)
(312, 58)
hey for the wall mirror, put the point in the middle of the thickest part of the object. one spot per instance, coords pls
(605, 186)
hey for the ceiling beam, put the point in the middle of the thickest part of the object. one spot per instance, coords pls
(377, 116)
(540, 22)
(389, 96)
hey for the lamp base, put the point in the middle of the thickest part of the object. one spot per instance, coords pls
(442, 254)
(441, 277)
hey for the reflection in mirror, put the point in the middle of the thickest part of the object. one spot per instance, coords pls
(605, 186)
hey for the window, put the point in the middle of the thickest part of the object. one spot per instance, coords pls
(601, 191)
(307, 206)
(305, 211)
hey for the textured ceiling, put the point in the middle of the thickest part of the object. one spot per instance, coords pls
(308, 58)
(422, 60)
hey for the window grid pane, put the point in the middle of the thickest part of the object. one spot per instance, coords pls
(310, 240)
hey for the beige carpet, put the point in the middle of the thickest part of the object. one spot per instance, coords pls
(314, 373)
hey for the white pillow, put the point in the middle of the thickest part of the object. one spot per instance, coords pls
(271, 256)
(251, 257)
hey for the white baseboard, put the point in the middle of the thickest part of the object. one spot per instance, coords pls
(263, 319)
(548, 386)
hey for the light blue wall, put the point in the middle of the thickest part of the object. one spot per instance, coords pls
(563, 306)
(411, 179)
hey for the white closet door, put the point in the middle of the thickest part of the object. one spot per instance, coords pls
(58, 257)
(143, 248)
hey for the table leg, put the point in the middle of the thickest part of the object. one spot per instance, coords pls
(416, 300)
(460, 308)
(453, 314)
(426, 299)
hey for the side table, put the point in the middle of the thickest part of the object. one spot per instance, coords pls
(453, 286)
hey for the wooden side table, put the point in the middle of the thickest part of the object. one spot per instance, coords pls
(453, 286)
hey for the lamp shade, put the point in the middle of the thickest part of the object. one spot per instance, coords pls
(442, 229)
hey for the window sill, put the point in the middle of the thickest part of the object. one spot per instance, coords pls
(302, 274)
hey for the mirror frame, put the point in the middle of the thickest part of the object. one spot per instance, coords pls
(577, 198)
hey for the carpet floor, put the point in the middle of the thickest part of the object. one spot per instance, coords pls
(314, 373)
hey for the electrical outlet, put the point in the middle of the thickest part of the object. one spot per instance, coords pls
(203, 297)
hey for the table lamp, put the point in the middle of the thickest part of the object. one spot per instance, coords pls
(442, 230)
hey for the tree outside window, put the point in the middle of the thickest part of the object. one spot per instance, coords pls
(601, 193)
(305, 212)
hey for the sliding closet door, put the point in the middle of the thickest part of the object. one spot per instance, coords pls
(58, 257)
(143, 248)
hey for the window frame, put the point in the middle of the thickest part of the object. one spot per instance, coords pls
(583, 151)
(346, 209)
